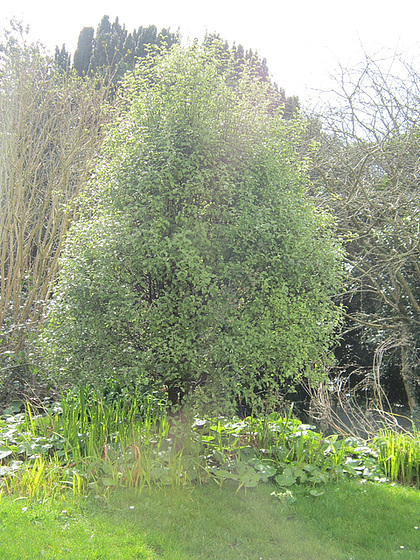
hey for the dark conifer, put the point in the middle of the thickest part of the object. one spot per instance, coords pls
(83, 53)
(62, 59)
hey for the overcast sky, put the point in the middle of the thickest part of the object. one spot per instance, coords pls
(302, 40)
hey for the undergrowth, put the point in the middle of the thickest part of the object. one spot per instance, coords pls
(86, 444)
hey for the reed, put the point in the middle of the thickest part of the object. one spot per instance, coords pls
(89, 443)
(399, 456)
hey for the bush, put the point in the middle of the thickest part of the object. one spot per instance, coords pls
(199, 263)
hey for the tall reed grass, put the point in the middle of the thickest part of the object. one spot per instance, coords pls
(399, 456)
(90, 444)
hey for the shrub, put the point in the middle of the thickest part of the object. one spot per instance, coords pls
(199, 262)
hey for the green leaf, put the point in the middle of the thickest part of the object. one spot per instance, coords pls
(316, 493)
(285, 479)
(5, 452)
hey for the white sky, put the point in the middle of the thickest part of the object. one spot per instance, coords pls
(302, 40)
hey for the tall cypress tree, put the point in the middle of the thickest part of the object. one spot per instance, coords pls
(83, 52)
(289, 105)
(62, 58)
(111, 51)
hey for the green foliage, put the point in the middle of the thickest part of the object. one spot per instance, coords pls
(90, 444)
(399, 456)
(198, 263)
(167, 456)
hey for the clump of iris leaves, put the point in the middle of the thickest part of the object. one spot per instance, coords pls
(85, 443)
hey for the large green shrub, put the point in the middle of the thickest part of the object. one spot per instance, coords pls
(199, 262)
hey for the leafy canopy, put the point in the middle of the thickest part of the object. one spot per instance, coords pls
(199, 263)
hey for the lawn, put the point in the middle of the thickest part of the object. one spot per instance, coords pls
(349, 521)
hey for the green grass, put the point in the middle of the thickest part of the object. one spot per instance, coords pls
(366, 521)
(62, 531)
(350, 521)
(210, 523)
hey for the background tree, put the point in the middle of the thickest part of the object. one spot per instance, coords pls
(83, 53)
(367, 170)
(201, 264)
(112, 50)
(50, 130)
(62, 59)
(245, 59)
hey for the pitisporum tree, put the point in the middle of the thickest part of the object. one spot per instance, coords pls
(198, 264)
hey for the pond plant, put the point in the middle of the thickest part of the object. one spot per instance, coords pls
(89, 444)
